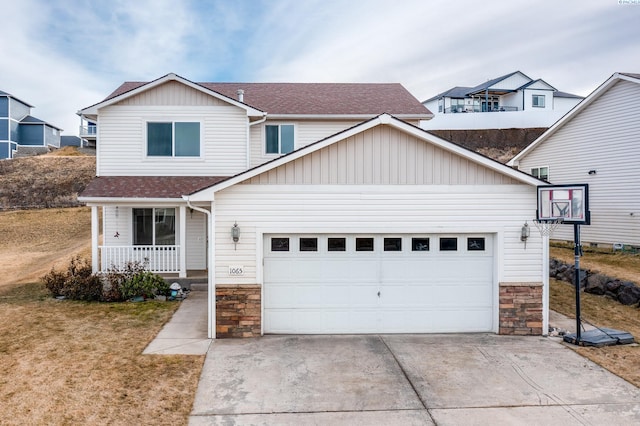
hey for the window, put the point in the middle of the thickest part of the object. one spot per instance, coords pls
(475, 244)
(540, 173)
(448, 244)
(420, 244)
(279, 139)
(393, 244)
(364, 244)
(173, 139)
(154, 227)
(279, 244)
(336, 244)
(308, 244)
(538, 101)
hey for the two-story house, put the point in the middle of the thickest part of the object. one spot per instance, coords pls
(314, 208)
(514, 101)
(18, 128)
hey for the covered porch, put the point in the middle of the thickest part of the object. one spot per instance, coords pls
(146, 220)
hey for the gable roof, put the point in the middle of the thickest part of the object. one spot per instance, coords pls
(454, 92)
(486, 85)
(130, 89)
(309, 99)
(599, 91)
(541, 81)
(9, 95)
(29, 119)
(383, 119)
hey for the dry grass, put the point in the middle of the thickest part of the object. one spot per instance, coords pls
(619, 265)
(601, 311)
(35, 240)
(64, 362)
(65, 151)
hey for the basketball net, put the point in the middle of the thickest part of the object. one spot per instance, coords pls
(547, 227)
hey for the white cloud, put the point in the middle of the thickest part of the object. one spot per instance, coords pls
(68, 54)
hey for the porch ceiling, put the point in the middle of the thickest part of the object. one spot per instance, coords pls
(147, 186)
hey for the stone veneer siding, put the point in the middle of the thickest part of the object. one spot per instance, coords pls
(238, 311)
(520, 309)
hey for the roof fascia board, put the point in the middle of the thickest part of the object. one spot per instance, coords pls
(123, 200)
(381, 119)
(358, 117)
(170, 77)
(572, 113)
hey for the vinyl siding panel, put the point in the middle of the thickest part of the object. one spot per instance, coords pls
(602, 137)
(306, 132)
(336, 209)
(382, 156)
(122, 141)
(196, 240)
(172, 93)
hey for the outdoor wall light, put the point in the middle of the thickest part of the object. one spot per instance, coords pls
(592, 172)
(235, 233)
(524, 233)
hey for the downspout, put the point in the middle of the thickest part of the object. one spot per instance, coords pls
(262, 120)
(211, 293)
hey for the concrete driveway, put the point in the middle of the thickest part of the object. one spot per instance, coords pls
(470, 379)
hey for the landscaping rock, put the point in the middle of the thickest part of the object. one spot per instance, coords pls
(628, 294)
(596, 284)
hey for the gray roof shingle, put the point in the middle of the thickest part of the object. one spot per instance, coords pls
(147, 186)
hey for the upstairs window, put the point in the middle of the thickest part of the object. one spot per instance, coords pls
(541, 173)
(173, 139)
(538, 101)
(279, 139)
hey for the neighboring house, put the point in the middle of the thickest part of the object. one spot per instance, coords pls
(18, 128)
(72, 141)
(597, 143)
(514, 101)
(314, 210)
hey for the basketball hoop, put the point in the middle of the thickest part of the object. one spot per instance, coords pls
(546, 227)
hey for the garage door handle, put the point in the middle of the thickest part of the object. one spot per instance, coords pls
(378, 294)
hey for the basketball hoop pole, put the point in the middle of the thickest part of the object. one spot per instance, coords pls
(577, 253)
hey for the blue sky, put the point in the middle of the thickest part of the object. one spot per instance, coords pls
(63, 55)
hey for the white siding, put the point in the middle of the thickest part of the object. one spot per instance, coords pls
(423, 209)
(196, 240)
(306, 132)
(382, 156)
(117, 221)
(122, 141)
(512, 83)
(602, 137)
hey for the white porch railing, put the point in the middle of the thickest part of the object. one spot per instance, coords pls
(90, 130)
(158, 259)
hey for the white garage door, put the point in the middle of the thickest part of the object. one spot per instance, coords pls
(323, 284)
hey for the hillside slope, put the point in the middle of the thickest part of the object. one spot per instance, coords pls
(44, 181)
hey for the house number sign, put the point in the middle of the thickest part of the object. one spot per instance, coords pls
(236, 271)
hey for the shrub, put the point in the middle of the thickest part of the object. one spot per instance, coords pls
(54, 281)
(77, 282)
(115, 285)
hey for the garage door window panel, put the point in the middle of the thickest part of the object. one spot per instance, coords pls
(279, 244)
(420, 244)
(448, 244)
(308, 244)
(336, 244)
(364, 244)
(393, 244)
(475, 244)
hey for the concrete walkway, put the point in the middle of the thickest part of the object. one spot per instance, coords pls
(186, 331)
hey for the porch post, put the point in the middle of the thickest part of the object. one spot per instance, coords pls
(211, 269)
(183, 242)
(95, 235)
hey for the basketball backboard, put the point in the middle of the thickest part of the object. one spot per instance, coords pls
(565, 203)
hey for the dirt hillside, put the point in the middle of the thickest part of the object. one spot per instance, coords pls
(44, 181)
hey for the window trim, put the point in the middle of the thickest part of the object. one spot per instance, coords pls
(176, 230)
(173, 121)
(535, 104)
(279, 125)
(537, 173)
